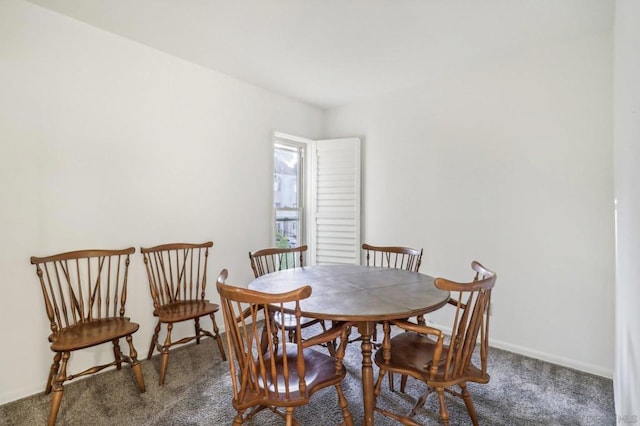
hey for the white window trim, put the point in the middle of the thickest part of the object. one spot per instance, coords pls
(279, 137)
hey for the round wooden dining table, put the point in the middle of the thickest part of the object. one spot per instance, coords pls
(360, 294)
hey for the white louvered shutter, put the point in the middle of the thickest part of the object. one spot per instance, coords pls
(335, 202)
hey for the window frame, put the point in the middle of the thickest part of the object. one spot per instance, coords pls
(301, 144)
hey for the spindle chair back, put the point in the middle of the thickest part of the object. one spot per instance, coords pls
(393, 257)
(177, 275)
(274, 259)
(85, 293)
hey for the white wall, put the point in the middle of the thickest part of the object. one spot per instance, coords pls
(627, 192)
(509, 163)
(105, 143)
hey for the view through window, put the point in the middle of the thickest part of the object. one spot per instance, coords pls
(288, 193)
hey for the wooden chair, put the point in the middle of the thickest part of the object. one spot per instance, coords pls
(421, 351)
(393, 257)
(177, 276)
(266, 374)
(85, 294)
(269, 260)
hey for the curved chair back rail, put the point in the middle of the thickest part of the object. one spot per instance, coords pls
(393, 257)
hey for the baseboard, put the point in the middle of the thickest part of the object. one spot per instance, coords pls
(543, 356)
(16, 394)
(29, 391)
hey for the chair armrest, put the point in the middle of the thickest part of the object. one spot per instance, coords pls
(331, 334)
(418, 328)
(454, 302)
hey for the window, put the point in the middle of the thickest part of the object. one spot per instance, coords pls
(288, 191)
(316, 197)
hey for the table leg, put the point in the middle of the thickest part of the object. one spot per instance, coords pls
(366, 330)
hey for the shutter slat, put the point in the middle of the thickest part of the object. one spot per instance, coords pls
(336, 219)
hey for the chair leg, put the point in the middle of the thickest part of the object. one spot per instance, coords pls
(53, 372)
(164, 360)
(58, 390)
(238, 419)
(469, 403)
(289, 416)
(403, 382)
(274, 330)
(116, 353)
(197, 327)
(216, 334)
(378, 385)
(331, 345)
(386, 347)
(154, 340)
(444, 413)
(344, 406)
(135, 364)
(357, 339)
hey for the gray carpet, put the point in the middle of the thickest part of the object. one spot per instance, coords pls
(197, 391)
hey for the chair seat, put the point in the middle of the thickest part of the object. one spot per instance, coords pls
(320, 373)
(412, 353)
(86, 334)
(185, 310)
(289, 320)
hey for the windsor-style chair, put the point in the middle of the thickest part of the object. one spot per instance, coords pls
(85, 294)
(421, 352)
(395, 257)
(267, 374)
(274, 259)
(177, 276)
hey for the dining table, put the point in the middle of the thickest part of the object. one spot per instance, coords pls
(364, 295)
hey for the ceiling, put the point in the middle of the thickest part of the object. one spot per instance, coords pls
(333, 52)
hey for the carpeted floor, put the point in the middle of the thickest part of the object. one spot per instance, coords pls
(197, 391)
